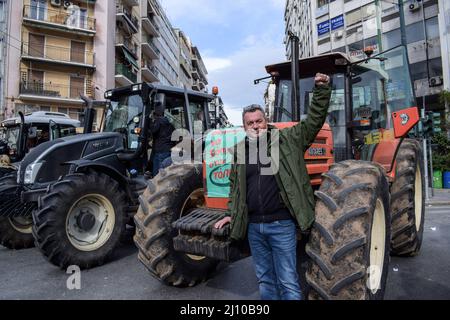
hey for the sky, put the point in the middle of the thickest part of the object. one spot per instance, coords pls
(237, 39)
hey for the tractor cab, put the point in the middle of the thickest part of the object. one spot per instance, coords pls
(372, 103)
(22, 134)
(130, 110)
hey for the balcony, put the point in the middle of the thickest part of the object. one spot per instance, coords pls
(149, 26)
(149, 48)
(195, 74)
(124, 75)
(129, 22)
(199, 85)
(38, 91)
(131, 3)
(70, 22)
(58, 55)
(149, 73)
(127, 44)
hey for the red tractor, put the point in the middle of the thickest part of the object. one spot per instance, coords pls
(367, 176)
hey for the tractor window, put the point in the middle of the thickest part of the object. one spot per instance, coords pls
(197, 117)
(124, 115)
(283, 111)
(175, 112)
(12, 137)
(380, 87)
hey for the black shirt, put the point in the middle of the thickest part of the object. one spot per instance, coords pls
(264, 200)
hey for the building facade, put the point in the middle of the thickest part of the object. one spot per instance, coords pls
(297, 17)
(3, 43)
(58, 50)
(50, 56)
(351, 25)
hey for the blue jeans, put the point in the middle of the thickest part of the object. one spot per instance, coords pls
(273, 247)
(158, 160)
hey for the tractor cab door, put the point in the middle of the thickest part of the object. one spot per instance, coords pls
(383, 106)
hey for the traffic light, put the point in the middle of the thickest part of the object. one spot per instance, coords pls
(436, 122)
(427, 124)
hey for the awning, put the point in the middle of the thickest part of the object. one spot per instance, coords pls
(130, 58)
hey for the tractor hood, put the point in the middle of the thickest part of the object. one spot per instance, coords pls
(48, 161)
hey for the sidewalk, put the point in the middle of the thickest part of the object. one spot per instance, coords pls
(441, 197)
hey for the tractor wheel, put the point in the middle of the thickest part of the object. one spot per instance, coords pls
(407, 200)
(171, 194)
(15, 232)
(80, 220)
(349, 242)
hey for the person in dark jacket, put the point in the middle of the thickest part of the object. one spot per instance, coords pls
(267, 207)
(161, 130)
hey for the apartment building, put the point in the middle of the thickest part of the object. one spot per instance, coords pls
(59, 49)
(185, 65)
(297, 17)
(351, 25)
(199, 72)
(50, 56)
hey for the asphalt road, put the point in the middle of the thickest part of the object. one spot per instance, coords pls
(27, 275)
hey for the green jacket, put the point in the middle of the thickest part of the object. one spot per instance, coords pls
(292, 177)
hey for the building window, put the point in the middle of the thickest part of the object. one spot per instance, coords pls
(432, 28)
(419, 69)
(361, 14)
(392, 39)
(63, 110)
(415, 32)
(45, 108)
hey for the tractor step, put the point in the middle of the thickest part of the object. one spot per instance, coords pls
(198, 236)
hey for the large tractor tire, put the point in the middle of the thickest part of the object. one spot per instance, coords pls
(171, 194)
(15, 232)
(407, 200)
(6, 171)
(80, 220)
(349, 242)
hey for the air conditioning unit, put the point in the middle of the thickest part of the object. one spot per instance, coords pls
(436, 82)
(339, 34)
(56, 3)
(415, 5)
(67, 4)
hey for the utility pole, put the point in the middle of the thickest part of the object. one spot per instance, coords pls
(402, 22)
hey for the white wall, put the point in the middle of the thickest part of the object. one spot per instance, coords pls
(104, 44)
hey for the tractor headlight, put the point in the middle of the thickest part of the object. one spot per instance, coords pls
(31, 172)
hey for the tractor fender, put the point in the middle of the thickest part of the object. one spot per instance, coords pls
(83, 165)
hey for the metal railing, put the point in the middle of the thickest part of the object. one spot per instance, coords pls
(122, 9)
(148, 65)
(128, 43)
(48, 89)
(63, 17)
(149, 40)
(126, 72)
(59, 54)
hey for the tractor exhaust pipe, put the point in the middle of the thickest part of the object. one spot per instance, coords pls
(295, 75)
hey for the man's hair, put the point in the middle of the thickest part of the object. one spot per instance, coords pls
(252, 108)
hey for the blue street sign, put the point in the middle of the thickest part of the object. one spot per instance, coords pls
(337, 22)
(323, 27)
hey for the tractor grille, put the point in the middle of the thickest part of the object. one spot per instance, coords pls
(11, 205)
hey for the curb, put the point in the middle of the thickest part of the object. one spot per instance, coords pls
(438, 203)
